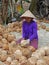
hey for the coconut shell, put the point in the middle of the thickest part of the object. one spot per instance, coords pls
(5, 46)
(47, 29)
(46, 58)
(26, 52)
(31, 48)
(43, 27)
(4, 41)
(41, 62)
(10, 38)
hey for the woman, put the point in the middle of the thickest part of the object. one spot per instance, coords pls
(29, 30)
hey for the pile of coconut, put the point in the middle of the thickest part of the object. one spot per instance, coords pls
(24, 56)
(11, 53)
(17, 26)
(14, 27)
(43, 24)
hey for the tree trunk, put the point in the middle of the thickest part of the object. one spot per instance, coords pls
(4, 9)
(33, 5)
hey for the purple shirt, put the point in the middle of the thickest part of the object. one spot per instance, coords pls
(29, 30)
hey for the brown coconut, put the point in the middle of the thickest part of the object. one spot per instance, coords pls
(4, 41)
(46, 58)
(26, 52)
(5, 46)
(10, 37)
(41, 62)
(47, 29)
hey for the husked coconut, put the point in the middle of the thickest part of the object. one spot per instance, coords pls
(5, 46)
(4, 52)
(26, 52)
(41, 51)
(1, 51)
(22, 59)
(10, 25)
(10, 37)
(18, 30)
(46, 58)
(37, 55)
(1, 31)
(43, 27)
(12, 46)
(41, 62)
(2, 63)
(31, 48)
(31, 61)
(23, 43)
(0, 37)
(7, 63)
(4, 41)
(9, 59)
(13, 43)
(3, 56)
(47, 29)
(39, 27)
(23, 62)
(46, 50)
(5, 35)
(9, 29)
(17, 54)
(15, 62)
(1, 44)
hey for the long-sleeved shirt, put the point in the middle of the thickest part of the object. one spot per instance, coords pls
(29, 30)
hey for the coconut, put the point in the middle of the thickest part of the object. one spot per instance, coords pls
(0, 37)
(46, 51)
(5, 35)
(46, 58)
(4, 41)
(10, 37)
(43, 27)
(15, 62)
(31, 61)
(2, 63)
(9, 59)
(31, 48)
(17, 54)
(5, 46)
(3, 56)
(47, 29)
(41, 62)
(26, 52)
(22, 59)
(41, 51)
(1, 44)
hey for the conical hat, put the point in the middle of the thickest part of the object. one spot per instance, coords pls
(28, 14)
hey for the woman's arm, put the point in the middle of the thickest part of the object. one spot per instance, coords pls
(34, 32)
(23, 30)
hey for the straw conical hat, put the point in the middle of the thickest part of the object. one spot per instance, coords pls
(28, 14)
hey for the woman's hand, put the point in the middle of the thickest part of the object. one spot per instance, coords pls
(25, 42)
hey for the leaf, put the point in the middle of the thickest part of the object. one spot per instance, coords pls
(27, 1)
(16, 0)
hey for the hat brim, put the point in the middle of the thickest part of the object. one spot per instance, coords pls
(27, 14)
(26, 17)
